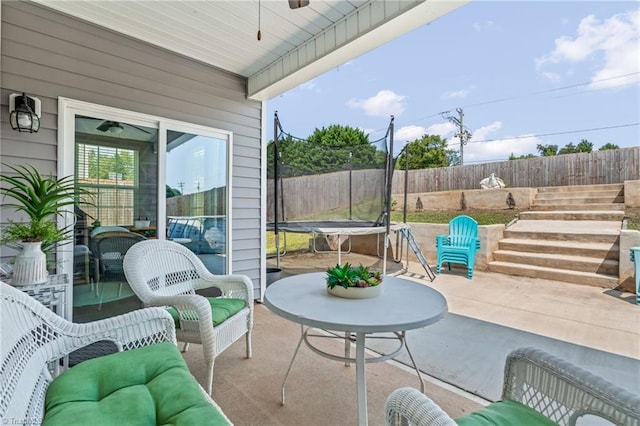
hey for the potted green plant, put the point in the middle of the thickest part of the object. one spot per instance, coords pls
(353, 282)
(42, 199)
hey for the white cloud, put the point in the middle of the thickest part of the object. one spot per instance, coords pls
(310, 86)
(484, 132)
(383, 104)
(444, 130)
(613, 45)
(501, 149)
(409, 134)
(456, 94)
(482, 26)
(493, 150)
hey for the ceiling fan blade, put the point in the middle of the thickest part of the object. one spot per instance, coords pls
(297, 4)
(105, 125)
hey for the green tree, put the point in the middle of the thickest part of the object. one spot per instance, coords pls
(172, 192)
(520, 157)
(608, 145)
(429, 151)
(547, 150)
(328, 149)
(584, 146)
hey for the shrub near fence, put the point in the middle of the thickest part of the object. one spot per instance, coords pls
(599, 167)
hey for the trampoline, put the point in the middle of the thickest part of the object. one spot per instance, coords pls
(331, 188)
(336, 187)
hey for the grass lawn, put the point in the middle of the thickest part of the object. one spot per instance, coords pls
(295, 242)
(300, 242)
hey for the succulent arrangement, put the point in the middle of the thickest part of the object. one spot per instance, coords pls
(352, 276)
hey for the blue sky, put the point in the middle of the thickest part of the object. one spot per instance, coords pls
(522, 71)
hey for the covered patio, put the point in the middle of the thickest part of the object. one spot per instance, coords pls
(160, 64)
(590, 327)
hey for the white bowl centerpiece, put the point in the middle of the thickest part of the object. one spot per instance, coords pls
(353, 282)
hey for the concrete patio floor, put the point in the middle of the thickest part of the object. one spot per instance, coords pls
(596, 328)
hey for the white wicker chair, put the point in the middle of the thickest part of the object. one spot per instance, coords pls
(560, 391)
(33, 338)
(165, 273)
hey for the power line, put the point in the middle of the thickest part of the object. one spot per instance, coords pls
(511, 98)
(558, 133)
(557, 89)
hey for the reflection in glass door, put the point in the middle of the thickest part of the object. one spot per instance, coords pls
(116, 162)
(197, 194)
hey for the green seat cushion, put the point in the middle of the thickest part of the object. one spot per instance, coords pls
(150, 385)
(221, 309)
(505, 413)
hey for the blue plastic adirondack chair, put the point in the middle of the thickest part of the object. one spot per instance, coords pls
(460, 245)
(635, 258)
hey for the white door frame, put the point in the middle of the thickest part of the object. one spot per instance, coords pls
(67, 111)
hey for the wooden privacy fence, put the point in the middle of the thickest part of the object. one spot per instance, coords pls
(205, 203)
(599, 167)
(306, 196)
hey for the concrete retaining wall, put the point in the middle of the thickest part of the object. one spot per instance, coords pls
(632, 193)
(474, 199)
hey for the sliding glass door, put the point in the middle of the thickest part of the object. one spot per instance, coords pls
(149, 177)
(197, 195)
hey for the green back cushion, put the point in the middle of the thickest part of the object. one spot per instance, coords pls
(150, 385)
(505, 413)
(221, 310)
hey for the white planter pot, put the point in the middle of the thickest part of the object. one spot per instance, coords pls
(30, 265)
(355, 292)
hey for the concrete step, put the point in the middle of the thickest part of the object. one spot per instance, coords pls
(589, 249)
(564, 275)
(559, 261)
(573, 215)
(605, 193)
(577, 200)
(579, 207)
(581, 188)
(596, 231)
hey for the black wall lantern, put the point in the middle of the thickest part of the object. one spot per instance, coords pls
(24, 113)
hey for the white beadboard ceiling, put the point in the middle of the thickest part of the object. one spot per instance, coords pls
(297, 44)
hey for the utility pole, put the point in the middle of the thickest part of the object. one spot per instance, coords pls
(463, 133)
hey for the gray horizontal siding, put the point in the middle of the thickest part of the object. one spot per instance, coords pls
(51, 55)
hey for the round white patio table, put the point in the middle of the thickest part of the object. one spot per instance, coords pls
(402, 305)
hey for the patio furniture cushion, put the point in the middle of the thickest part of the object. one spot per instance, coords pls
(150, 385)
(221, 309)
(504, 413)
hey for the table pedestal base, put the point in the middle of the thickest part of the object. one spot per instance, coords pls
(360, 360)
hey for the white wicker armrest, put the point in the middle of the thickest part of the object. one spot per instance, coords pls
(33, 336)
(237, 286)
(563, 392)
(408, 406)
(134, 329)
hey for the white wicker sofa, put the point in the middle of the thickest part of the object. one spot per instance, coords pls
(539, 389)
(146, 382)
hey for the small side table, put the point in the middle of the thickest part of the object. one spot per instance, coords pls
(52, 294)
